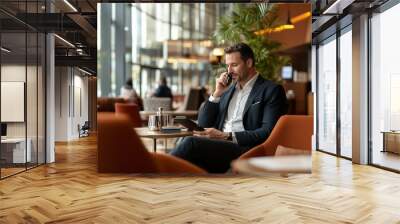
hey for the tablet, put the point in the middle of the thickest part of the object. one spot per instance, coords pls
(187, 123)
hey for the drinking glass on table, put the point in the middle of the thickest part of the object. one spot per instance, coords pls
(154, 123)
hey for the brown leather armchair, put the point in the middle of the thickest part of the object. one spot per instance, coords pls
(292, 131)
(130, 109)
(120, 150)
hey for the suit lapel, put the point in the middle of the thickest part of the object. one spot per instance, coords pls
(225, 103)
(253, 93)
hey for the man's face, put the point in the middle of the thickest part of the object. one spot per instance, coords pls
(237, 66)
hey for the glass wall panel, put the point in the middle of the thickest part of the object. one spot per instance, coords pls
(22, 91)
(31, 97)
(176, 15)
(385, 88)
(14, 153)
(41, 79)
(162, 27)
(346, 94)
(327, 96)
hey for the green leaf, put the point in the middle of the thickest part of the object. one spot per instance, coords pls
(239, 26)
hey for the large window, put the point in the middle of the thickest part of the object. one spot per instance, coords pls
(346, 92)
(162, 39)
(334, 92)
(327, 96)
(385, 88)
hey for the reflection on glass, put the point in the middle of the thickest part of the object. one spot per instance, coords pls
(346, 94)
(385, 85)
(327, 97)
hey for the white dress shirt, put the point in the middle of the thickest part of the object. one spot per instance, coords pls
(234, 118)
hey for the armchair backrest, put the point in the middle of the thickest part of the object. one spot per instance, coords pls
(130, 109)
(195, 97)
(119, 148)
(153, 103)
(85, 126)
(293, 131)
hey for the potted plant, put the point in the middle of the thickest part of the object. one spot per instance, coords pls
(241, 25)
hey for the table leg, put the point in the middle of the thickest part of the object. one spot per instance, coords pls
(155, 144)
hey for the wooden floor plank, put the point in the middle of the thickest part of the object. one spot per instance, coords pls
(71, 191)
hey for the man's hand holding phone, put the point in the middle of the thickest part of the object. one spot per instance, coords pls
(222, 84)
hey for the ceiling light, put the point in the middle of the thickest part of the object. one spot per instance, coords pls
(300, 17)
(65, 41)
(275, 29)
(337, 7)
(218, 51)
(84, 71)
(70, 5)
(5, 50)
(289, 24)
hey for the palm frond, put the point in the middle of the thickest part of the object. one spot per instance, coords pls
(239, 26)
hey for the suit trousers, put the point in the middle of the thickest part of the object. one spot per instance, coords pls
(215, 156)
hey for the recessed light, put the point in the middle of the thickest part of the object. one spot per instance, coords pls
(70, 5)
(64, 40)
(5, 50)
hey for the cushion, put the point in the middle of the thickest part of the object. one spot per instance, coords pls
(286, 151)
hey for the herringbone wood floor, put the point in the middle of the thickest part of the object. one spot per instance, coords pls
(71, 191)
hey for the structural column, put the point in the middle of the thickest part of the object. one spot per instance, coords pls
(104, 49)
(50, 99)
(360, 90)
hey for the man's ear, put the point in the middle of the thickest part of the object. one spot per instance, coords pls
(250, 63)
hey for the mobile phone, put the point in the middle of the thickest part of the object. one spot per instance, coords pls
(187, 123)
(228, 79)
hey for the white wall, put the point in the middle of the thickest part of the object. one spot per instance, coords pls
(61, 103)
(17, 73)
(71, 102)
(33, 126)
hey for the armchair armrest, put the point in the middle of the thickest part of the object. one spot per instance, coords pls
(260, 150)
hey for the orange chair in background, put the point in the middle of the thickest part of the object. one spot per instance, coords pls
(107, 104)
(120, 150)
(130, 109)
(292, 131)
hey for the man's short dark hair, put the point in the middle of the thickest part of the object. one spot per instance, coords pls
(245, 51)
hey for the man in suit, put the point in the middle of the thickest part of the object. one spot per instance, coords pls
(236, 117)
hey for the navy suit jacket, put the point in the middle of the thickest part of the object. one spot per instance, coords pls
(266, 103)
